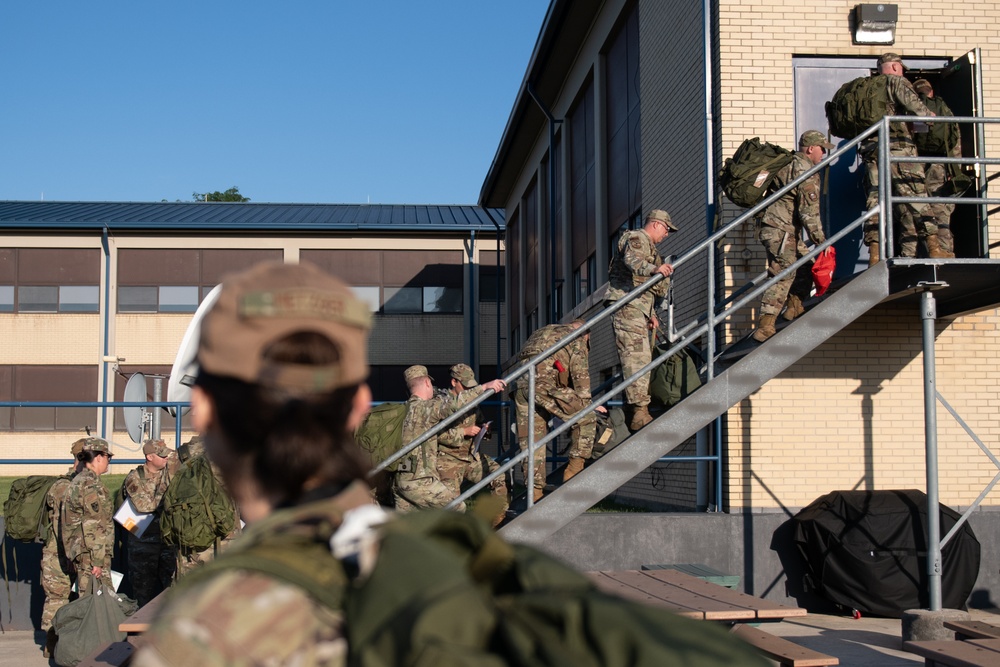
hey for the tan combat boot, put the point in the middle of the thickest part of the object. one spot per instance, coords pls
(873, 253)
(574, 466)
(793, 308)
(765, 328)
(934, 249)
(640, 418)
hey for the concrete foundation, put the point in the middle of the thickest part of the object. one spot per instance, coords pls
(926, 625)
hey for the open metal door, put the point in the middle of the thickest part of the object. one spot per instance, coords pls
(961, 86)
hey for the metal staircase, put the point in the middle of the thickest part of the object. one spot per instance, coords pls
(961, 285)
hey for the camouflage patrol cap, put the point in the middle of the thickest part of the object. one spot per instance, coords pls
(157, 447)
(271, 301)
(77, 447)
(93, 444)
(463, 373)
(414, 372)
(663, 217)
(923, 86)
(890, 58)
(814, 138)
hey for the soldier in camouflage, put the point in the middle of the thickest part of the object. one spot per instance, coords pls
(915, 221)
(87, 527)
(151, 563)
(779, 229)
(57, 570)
(456, 462)
(419, 485)
(636, 260)
(562, 389)
(938, 174)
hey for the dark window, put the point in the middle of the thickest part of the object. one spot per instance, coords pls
(582, 175)
(622, 124)
(50, 280)
(491, 277)
(52, 384)
(529, 207)
(175, 280)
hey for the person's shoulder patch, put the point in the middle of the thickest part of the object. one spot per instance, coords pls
(635, 243)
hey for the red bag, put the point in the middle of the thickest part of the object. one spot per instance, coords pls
(823, 268)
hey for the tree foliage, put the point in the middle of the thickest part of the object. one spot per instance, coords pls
(232, 194)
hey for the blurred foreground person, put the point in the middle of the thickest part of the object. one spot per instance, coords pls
(279, 391)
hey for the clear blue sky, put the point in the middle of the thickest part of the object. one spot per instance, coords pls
(333, 101)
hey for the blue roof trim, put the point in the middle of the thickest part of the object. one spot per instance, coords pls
(247, 216)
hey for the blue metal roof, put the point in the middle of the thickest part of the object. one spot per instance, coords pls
(247, 216)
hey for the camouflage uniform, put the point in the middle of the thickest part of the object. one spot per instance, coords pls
(151, 563)
(421, 486)
(558, 393)
(636, 260)
(88, 531)
(457, 464)
(908, 179)
(938, 174)
(57, 570)
(780, 231)
(239, 617)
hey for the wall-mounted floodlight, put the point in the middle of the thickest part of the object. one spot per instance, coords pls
(875, 24)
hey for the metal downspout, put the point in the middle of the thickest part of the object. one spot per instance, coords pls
(554, 310)
(928, 314)
(710, 211)
(502, 431)
(107, 325)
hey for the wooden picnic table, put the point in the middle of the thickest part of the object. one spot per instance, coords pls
(692, 597)
(971, 653)
(141, 619)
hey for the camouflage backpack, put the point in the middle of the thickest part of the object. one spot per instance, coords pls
(25, 511)
(746, 177)
(197, 510)
(381, 433)
(674, 379)
(857, 105)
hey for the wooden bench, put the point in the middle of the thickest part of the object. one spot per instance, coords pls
(115, 653)
(703, 572)
(786, 653)
(951, 653)
(973, 629)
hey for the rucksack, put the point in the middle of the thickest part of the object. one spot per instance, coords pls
(746, 176)
(197, 510)
(857, 105)
(25, 512)
(611, 432)
(939, 137)
(381, 433)
(674, 379)
(447, 590)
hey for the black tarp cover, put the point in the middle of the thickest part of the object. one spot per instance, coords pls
(867, 550)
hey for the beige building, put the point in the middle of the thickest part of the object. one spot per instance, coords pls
(91, 293)
(628, 106)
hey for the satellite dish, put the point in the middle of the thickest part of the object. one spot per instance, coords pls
(135, 392)
(185, 368)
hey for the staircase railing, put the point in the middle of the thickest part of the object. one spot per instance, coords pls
(716, 310)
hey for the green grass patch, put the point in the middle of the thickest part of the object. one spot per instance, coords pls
(111, 482)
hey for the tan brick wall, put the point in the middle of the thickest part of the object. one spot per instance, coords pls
(850, 415)
(49, 338)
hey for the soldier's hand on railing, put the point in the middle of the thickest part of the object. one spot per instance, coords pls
(665, 270)
(496, 385)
